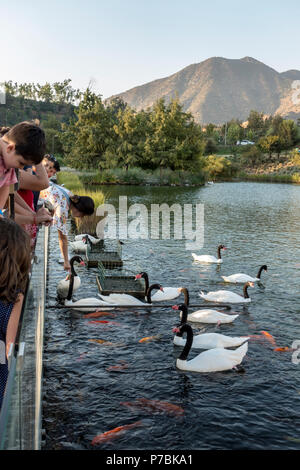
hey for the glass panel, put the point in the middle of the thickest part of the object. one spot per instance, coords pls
(20, 417)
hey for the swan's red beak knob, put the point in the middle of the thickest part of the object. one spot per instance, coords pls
(175, 307)
(176, 329)
(82, 263)
(162, 289)
(138, 276)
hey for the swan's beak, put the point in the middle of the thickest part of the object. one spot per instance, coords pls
(162, 289)
(82, 263)
(175, 307)
(138, 276)
(176, 329)
(251, 284)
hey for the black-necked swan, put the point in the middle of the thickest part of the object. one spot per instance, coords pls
(94, 240)
(168, 293)
(207, 315)
(125, 299)
(79, 246)
(209, 258)
(228, 296)
(206, 340)
(64, 285)
(212, 360)
(240, 277)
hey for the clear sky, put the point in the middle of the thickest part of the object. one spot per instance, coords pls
(120, 44)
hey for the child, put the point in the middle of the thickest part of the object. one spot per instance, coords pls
(15, 262)
(24, 144)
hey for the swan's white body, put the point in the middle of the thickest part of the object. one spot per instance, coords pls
(214, 360)
(224, 296)
(211, 341)
(210, 316)
(79, 246)
(64, 284)
(122, 299)
(92, 302)
(206, 258)
(93, 240)
(240, 277)
(168, 293)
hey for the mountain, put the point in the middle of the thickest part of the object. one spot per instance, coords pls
(218, 89)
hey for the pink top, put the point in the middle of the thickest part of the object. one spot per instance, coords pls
(7, 177)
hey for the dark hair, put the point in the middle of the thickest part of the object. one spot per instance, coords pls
(15, 260)
(29, 140)
(52, 159)
(4, 130)
(83, 204)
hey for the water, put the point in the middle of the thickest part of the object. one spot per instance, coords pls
(257, 409)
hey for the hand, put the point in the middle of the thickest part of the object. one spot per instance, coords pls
(67, 266)
(43, 216)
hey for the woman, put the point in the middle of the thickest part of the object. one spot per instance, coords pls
(64, 203)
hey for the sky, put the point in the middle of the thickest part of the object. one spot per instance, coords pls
(115, 45)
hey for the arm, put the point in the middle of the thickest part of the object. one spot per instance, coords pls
(36, 182)
(24, 215)
(4, 192)
(63, 244)
(13, 322)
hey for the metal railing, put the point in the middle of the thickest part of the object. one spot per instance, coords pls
(20, 416)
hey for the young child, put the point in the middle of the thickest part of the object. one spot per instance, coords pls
(24, 144)
(15, 262)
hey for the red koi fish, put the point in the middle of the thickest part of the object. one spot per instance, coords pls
(155, 406)
(105, 321)
(283, 349)
(113, 433)
(269, 337)
(98, 314)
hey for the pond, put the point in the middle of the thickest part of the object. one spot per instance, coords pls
(258, 409)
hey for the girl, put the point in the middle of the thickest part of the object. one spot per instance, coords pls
(63, 203)
(15, 263)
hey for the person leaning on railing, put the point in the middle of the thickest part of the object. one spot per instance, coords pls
(15, 263)
(63, 203)
(22, 145)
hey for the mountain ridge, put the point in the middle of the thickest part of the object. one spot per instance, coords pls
(220, 89)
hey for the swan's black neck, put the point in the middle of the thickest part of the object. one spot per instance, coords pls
(150, 289)
(246, 295)
(186, 296)
(184, 314)
(219, 252)
(71, 285)
(189, 341)
(260, 271)
(146, 277)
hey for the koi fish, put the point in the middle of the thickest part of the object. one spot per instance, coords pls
(118, 367)
(113, 433)
(149, 338)
(98, 314)
(269, 337)
(155, 406)
(283, 349)
(105, 343)
(105, 321)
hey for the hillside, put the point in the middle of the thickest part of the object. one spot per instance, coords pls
(219, 89)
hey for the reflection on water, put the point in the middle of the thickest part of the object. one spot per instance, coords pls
(259, 409)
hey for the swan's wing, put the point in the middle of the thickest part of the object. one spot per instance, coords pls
(218, 359)
(239, 277)
(169, 293)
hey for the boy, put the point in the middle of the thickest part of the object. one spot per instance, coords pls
(24, 144)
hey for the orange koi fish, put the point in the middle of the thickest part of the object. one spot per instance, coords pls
(113, 433)
(283, 349)
(98, 314)
(269, 337)
(122, 366)
(149, 338)
(155, 406)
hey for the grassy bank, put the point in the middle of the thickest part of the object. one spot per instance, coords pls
(138, 176)
(73, 182)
